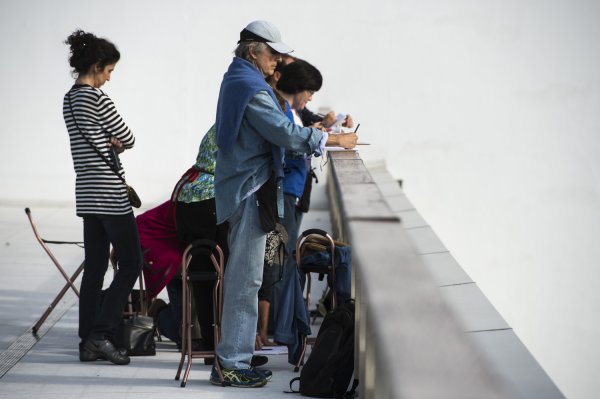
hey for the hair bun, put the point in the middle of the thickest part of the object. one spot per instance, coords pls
(88, 50)
(79, 40)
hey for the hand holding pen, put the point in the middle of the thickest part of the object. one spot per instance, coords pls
(356, 130)
(346, 140)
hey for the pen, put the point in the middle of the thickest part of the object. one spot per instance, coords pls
(357, 126)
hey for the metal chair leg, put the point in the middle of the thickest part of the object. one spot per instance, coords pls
(56, 300)
(187, 349)
(70, 279)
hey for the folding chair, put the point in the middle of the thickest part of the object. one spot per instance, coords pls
(70, 279)
(200, 248)
(308, 243)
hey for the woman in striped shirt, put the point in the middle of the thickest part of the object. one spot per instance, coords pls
(97, 133)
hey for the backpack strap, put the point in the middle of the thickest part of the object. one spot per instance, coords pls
(352, 392)
(291, 383)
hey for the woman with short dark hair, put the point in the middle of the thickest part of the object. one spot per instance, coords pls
(97, 133)
(299, 76)
(295, 83)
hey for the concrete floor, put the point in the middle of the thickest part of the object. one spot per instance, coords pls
(49, 367)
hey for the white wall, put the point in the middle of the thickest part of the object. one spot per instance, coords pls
(498, 108)
(488, 110)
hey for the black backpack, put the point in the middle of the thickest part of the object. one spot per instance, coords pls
(330, 366)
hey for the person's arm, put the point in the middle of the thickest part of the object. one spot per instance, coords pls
(346, 140)
(309, 118)
(114, 125)
(329, 119)
(268, 120)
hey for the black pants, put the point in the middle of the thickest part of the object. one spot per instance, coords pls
(198, 220)
(99, 318)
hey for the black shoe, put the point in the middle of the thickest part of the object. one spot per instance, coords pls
(104, 348)
(87, 355)
(199, 345)
(203, 345)
(258, 360)
(209, 361)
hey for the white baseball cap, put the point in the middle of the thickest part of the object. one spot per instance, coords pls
(265, 32)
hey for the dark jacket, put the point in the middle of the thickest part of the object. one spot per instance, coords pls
(292, 317)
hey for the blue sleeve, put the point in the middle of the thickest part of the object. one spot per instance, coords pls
(263, 115)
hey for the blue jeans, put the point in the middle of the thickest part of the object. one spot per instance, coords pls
(243, 277)
(169, 319)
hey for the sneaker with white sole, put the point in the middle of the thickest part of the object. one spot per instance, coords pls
(241, 378)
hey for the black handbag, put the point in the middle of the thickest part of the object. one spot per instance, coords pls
(304, 201)
(135, 333)
(134, 199)
(266, 197)
(138, 336)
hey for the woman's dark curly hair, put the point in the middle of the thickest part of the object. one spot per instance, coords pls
(87, 50)
(299, 76)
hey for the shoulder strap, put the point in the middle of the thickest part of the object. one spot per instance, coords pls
(291, 383)
(352, 391)
(110, 165)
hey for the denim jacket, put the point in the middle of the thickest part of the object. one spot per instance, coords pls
(246, 166)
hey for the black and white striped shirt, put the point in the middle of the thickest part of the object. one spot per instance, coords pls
(98, 190)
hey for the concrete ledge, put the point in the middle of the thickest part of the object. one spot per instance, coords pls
(424, 328)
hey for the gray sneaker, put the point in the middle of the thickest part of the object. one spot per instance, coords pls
(241, 378)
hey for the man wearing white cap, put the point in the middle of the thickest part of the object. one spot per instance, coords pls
(252, 133)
